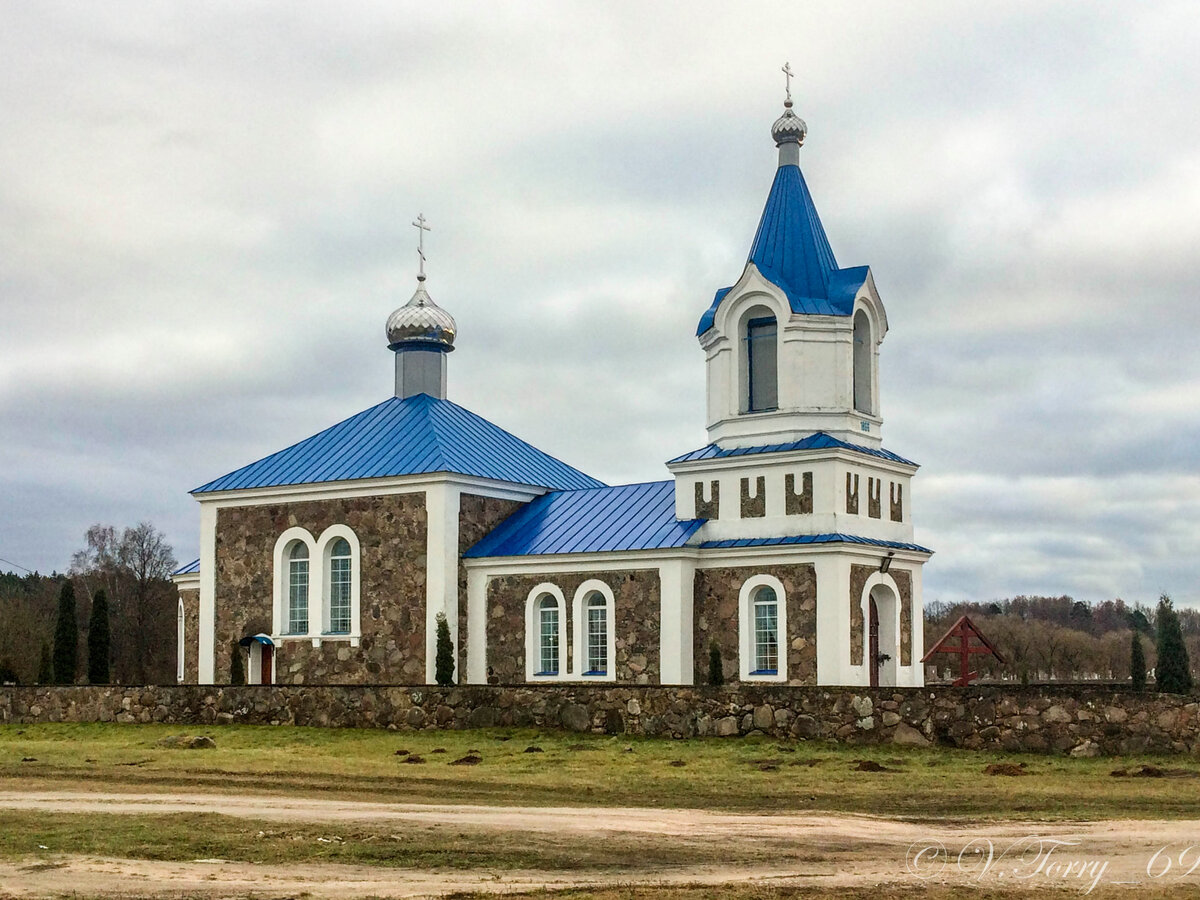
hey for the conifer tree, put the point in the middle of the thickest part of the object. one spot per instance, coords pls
(1137, 662)
(45, 670)
(444, 664)
(66, 637)
(99, 640)
(1172, 671)
(237, 671)
(716, 669)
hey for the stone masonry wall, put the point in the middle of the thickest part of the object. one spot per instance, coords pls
(716, 619)
(636, 617)
(477, 516)
(1075, 719)
(392, 535)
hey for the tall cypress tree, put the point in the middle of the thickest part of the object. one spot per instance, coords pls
(1137, 662)
(45, 669)
(237, 671)
(66, 637)
(444, 663)
(99, 640)
(716, 668)
(1172, 672)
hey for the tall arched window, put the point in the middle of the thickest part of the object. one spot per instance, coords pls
(863, 352)
(762, 381)
(297, 589)
(766, 631)
(340, 580)
(181, 640)
(547, 618)
(597, 634)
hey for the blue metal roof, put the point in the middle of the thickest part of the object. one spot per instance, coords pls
(192, 568)
(604, 520)
(791, 251)
(832, 538)
(818, 441)
(415, 436)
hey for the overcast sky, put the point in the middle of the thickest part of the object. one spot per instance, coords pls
(204, 223)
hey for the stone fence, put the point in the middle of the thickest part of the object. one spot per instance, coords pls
(1076, 719)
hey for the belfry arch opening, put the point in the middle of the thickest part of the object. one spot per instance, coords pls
(759, 340)
(863, 368)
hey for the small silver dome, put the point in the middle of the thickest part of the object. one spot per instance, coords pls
(421, 321)
(789, 128)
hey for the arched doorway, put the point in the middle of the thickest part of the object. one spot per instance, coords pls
(873, 643)
(884, 642)
(260, 658)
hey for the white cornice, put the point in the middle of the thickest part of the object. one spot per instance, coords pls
(369, 487)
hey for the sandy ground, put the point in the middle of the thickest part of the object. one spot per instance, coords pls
(836, 850)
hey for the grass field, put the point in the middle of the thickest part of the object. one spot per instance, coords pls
(731, 774)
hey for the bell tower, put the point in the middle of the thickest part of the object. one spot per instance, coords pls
(792, 347)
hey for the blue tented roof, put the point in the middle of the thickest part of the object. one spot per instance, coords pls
(192, 568)
(818, 441)
(415, 436)
(609, 519)
(791, 251)
(832, 538)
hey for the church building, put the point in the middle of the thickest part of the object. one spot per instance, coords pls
(786, 542)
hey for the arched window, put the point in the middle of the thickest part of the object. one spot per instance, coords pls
(340, 579)
(863, 353)
(547, 618)
(766, 632)
(297, 593)
(762, 629)
(597, 634)
(762, 381)
(181, 641)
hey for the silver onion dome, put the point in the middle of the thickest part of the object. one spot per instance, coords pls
(421, 321)
(789, 128)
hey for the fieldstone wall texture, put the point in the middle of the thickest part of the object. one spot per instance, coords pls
(476, 517)
(798, 504)
(715, 615)
(191, 632)
(754, 507)
(638, 607)
(903, 579)
(711, 508)
(1063, 719)
(392, 534)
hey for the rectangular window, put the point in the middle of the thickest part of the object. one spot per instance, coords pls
(762, 370)
(549, 642)
(339, 596)
(766, 638)
(597, 649)
(298, 597)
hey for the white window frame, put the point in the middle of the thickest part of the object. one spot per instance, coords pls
(533, 633)
(580, 629)
(282, 579)
(329, 537)
(746, 634)
(182, 642)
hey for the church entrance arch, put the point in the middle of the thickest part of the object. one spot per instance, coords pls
(884, 643)
(260, 658)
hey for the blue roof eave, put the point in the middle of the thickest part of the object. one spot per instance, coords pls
(818, 441)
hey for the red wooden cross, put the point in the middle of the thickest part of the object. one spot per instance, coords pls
(963, 630)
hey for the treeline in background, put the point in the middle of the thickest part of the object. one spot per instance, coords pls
(1061, 639)
(111, 619)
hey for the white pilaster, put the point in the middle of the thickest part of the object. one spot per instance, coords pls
(476, 627)
(206, 668)
(441, 569)
(833, 621)
(676, 581)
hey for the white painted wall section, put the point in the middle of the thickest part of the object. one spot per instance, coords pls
(676, 583)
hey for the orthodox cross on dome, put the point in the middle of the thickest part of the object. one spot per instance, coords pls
(787, 71)
(421, 229)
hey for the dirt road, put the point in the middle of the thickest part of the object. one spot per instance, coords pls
(830, 849)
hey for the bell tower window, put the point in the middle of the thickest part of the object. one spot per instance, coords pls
(863, 350)
(762, 380)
